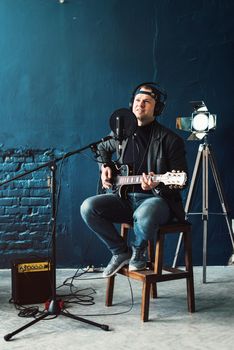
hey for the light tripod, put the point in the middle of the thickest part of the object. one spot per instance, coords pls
(55, 306)
(205, 155)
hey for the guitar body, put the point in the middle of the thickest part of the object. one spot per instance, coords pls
(122, 190)
(118, 173)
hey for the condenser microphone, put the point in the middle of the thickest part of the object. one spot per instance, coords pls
(123, 123)
(119, 131)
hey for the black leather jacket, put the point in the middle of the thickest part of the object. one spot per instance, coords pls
(166, 153)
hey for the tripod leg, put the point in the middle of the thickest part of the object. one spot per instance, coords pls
(220, 191)
(177, 249)
(189, 198)
(204, 253)
(103, 326)
(8, 336)
(194, 179)
(205, 206)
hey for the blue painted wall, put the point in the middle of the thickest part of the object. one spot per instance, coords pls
(66, 67)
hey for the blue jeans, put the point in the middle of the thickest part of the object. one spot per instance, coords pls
(145, 211)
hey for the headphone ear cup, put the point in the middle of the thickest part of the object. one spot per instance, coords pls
(159, 107)
(131, 102)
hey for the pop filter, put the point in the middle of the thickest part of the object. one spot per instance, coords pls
(123, 123)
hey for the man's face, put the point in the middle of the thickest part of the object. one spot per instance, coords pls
(143, 107)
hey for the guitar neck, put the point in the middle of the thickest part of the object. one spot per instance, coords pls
(136, 179)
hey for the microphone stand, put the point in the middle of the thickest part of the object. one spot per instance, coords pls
(55, 306)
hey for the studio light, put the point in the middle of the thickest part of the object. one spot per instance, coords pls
(200, 122)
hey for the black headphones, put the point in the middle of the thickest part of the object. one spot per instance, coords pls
(158, 94)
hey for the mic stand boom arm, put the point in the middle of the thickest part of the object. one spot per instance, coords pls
(52, 162)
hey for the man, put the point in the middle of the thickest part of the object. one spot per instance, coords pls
(153, 149)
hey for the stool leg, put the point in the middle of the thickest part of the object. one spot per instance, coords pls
(159, 253)
(145, 301)
(189, 268)
(151, 259)
(110, 290)
(124, 231)
(190, 293)
(153, 291)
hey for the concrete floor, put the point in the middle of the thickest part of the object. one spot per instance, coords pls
(170, 326)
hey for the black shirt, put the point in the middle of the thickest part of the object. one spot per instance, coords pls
(136, 153)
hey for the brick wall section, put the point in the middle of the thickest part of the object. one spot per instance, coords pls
(25, 205)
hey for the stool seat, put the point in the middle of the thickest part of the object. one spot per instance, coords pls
(154, 272)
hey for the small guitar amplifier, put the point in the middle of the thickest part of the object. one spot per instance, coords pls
(31, 281)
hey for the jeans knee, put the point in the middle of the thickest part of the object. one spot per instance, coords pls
(85, 209)
(140, 216)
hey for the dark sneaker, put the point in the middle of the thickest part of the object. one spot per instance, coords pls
(138, 259)
(117, 261)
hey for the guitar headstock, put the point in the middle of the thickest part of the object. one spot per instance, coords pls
(175, 179)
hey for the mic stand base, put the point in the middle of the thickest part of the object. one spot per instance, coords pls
(54, 309)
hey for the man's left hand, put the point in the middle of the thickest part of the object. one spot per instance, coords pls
(147, 183)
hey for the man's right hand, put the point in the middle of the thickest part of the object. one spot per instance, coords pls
(106, 176)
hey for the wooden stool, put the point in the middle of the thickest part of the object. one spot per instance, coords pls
(154, 271)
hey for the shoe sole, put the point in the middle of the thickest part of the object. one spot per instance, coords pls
(134, 268)
(125, 262)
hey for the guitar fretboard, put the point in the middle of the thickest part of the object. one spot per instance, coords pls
(136, 179)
